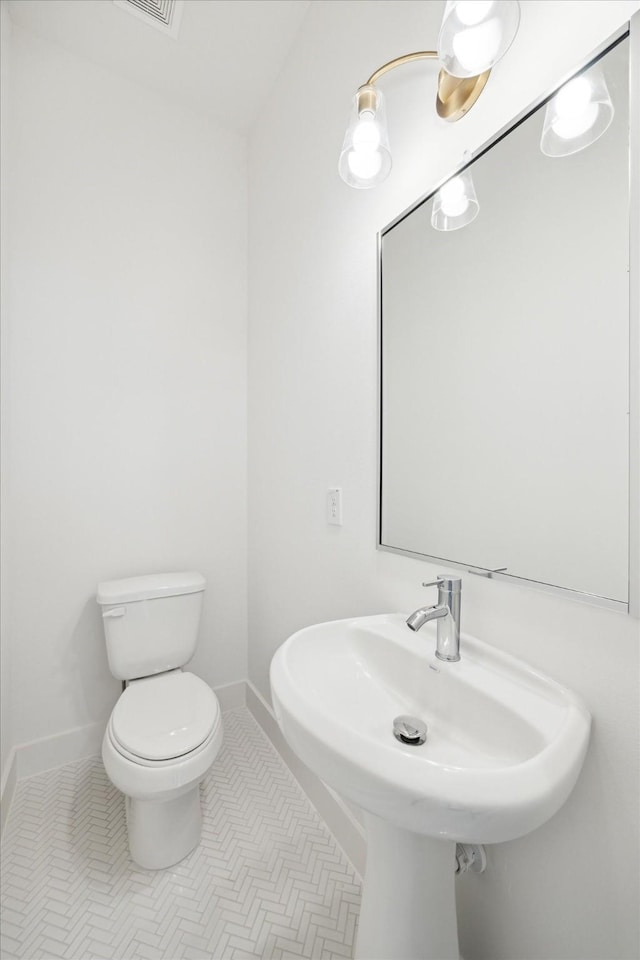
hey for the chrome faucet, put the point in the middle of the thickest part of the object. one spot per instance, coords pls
(447, 612)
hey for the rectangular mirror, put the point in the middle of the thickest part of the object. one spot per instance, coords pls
(505, 394)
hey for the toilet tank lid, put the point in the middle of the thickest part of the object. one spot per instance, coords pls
(149, 587)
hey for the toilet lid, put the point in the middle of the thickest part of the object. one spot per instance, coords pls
(165, 716)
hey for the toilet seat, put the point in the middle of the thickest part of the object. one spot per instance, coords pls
(174, 761)
(159, 780)
(164, 718)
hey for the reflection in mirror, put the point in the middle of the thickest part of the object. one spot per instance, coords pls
(505, 365)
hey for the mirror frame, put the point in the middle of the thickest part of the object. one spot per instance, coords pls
(632, 606)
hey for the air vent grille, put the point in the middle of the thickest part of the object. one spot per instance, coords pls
(163, 14)
(160, 10)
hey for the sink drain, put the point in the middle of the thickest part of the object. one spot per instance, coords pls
(410, 730)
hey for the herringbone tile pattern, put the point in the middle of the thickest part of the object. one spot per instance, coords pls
(267, 881)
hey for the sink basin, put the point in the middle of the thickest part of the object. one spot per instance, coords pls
(504, 748)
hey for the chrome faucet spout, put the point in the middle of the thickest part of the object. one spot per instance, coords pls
(419, 617)
(447, 613)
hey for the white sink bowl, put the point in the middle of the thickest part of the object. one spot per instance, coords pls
(505, 743)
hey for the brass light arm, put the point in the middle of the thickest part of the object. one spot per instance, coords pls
(407, 58)
(455, 97)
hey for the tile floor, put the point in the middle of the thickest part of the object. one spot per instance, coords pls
(267, 881)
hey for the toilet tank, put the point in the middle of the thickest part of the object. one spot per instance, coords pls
(151, 622)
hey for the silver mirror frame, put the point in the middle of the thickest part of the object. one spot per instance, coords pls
(632, 607)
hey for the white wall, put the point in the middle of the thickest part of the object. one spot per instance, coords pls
(6, 738)
(128, 371)
(570, 890)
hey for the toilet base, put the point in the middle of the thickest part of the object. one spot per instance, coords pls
(162, 832)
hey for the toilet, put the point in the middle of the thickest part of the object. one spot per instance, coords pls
(165, 731)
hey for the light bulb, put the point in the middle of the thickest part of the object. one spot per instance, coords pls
(477, 46)
(453, 198)
(475, 34)
(367, 132)
(575, 111)
(571, 126)
(455, 204)
(364, 164)
(574, 96)
(578, 115)
(471, 12)
(364, 159)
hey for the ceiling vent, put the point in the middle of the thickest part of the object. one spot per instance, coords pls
(165, 15)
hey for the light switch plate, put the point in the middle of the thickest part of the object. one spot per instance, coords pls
(334, 506)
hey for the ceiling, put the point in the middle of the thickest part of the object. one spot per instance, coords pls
(224, 61)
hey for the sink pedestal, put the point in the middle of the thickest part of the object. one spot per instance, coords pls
(408, 899)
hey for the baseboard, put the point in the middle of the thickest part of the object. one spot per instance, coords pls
(50, 752)
(38, 756)
(329, 805)
(8, 786)
(231, 695)
(30, 759)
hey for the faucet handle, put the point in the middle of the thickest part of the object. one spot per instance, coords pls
(446, 582)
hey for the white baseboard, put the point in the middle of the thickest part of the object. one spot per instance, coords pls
(343, 825)
(50, 752)
(29, 759)
(38, 756)
(231, 695)
(8, 786)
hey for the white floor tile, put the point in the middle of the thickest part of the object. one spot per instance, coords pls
(268, 881)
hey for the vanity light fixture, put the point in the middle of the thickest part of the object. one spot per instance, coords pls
(577, 115)
(474, 35)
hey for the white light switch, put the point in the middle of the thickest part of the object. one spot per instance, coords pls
(334, 506)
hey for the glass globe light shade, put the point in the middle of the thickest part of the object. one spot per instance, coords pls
(475, 34)
(455, 204)
(578, 115)
(365, 158)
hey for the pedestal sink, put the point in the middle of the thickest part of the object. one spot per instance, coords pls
(504, 748)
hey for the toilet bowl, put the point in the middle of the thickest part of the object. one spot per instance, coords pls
(165, 730)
